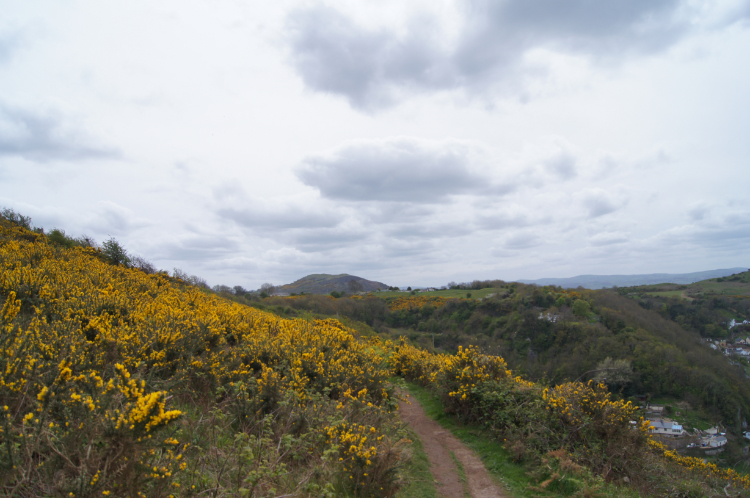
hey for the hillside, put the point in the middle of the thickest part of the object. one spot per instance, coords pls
(606, 281)
(121, 383)
(321, 283)
(555, 335)
(737, 284)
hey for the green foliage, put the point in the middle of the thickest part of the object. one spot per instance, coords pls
(581, 308)
(614, 373)
(16, 218)
(115, 252)
(57, 236)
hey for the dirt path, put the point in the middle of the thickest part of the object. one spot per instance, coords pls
(438, 444)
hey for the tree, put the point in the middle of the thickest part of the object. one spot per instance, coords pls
(143, 264)
(17, 218)
(239, 290)
(269, 289)
(86, 241)
(58, 236)
(178, 273)
(614, 373)
(115, 253)
(581, 308)
(354, 286)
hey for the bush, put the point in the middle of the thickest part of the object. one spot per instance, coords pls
(115, 253)
(117, 383)
(581, 308)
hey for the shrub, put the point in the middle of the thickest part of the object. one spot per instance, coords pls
(115, 253)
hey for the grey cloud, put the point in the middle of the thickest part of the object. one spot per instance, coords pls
(8, 44)
(503, 220)
(396, 170)
(698, 212)
(268, 219)
(44, 137)
(562, 166)
(199, 248)
(608, 238)
(334, 55)
(730, 232)
(326, 239)
(599, 202)
(428, 231)
(379, 213)
(522, 241)
(112, 218)
(495, 28)
(375, 68)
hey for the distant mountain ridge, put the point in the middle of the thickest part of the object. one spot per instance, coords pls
(322, 283)
(600, 281)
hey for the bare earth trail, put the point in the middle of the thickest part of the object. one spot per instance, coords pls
(438, 444)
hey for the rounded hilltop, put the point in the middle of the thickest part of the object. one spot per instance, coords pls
(323, 283)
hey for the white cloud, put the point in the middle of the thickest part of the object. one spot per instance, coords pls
(508, 139)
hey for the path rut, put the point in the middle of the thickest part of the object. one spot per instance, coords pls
(438, 444)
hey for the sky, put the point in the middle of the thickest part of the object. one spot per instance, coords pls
(412, 143)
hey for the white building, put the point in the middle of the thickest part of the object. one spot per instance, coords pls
(666, 427)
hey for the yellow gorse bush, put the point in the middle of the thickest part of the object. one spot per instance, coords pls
(410, 302)
(575, 403)
(91, 353)
(710, 470)
(570, 416)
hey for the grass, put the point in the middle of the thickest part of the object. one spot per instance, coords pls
(457, 293)
(417, 477)
(687, 417)
(675, 293)
(461, 475)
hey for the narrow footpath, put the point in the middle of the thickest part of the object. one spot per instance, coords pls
(438, 444)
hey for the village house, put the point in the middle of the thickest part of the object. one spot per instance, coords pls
(666, 427)
(713, 442)
(654, 412)
(549, 317)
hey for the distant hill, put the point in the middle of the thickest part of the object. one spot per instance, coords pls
(600, 281)
(321, 283)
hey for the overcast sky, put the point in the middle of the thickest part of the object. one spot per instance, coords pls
(412, 143)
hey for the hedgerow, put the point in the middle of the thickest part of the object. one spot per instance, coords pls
(574, 422)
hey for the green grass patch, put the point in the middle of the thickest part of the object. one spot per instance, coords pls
(456, 293)
(683, 413)
(417, 477)
(674, 293)
(461, 475)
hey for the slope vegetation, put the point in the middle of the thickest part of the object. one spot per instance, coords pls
(116, 382)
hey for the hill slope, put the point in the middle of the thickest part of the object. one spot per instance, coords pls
(322, 283)
(119, 383)
(599, 281)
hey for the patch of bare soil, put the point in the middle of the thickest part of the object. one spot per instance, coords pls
(438, 444)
